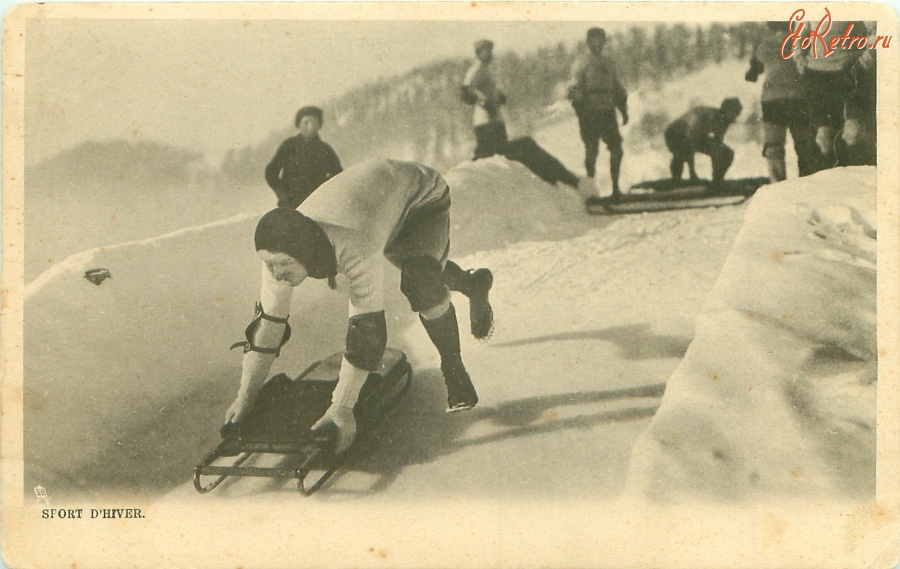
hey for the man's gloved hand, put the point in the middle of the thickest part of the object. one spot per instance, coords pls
(624, 117)
(501, 99)
(756, 67)
(342, 419)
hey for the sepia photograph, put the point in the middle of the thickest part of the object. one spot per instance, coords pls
(446, 284)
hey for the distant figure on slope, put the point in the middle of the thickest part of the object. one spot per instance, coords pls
(302, 162)
(596, 93)
(380, 208)
(785, 106)
(479, 88)
(702, 129)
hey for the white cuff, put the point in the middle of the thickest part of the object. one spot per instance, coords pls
(350, 382)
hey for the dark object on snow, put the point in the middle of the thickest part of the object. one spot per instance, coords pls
(97, 276)
(284, 412)
(666, 194)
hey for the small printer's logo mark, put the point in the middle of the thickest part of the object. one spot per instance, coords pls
(41, 494)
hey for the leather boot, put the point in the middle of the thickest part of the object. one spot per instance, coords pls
(476, 286)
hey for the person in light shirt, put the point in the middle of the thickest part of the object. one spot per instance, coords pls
(480, 88)
(596, 94)
(376, 210)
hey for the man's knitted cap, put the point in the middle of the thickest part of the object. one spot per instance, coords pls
(288, 231)
(596, 32)
(314, 111)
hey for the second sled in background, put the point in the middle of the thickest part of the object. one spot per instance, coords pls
(666, 194)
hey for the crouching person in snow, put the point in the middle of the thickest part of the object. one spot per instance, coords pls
(398, 210)
(702, 129)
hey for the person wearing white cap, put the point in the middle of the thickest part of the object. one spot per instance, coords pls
(481, 90)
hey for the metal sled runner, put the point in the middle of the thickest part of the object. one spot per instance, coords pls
(283, 414)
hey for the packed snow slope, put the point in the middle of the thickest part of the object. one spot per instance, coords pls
(776, 394)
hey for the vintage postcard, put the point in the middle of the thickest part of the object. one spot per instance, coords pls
(450, 284)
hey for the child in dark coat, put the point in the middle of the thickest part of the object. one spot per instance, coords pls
(302, 162)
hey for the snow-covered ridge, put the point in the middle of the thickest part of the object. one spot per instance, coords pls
(79, 262)
(776, 394)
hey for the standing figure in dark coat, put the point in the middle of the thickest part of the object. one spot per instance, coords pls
(302, 162)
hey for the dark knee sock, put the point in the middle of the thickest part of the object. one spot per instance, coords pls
(615, 162)
(590, 159)
(444, 334)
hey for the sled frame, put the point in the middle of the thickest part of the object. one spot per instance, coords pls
(312, 451)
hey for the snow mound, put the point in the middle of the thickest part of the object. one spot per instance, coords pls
(776, 393)
(497, 202)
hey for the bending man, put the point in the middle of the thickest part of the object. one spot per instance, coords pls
(382, 208)
(702, 129)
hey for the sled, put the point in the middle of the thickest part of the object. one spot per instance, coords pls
(280, 421)
(666, 194)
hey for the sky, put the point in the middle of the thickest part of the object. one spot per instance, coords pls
(213, 85)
